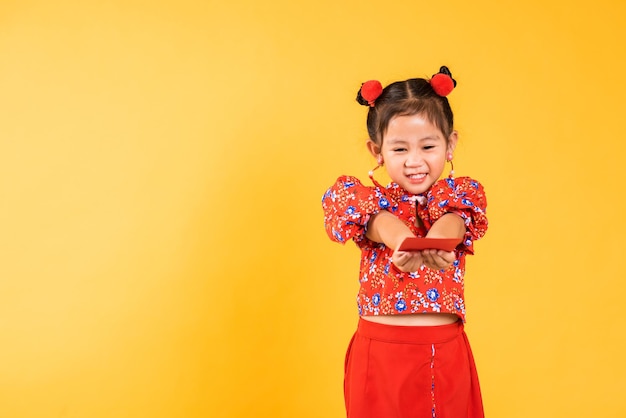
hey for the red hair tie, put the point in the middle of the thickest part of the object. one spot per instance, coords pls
(442, 82)
(369, 92)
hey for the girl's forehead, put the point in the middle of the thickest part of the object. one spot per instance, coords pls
(411, 125)
(411, 116)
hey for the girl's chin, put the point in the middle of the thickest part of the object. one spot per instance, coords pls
(415, 188)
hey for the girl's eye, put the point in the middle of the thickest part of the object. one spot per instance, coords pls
(429, 147)
(399, 149)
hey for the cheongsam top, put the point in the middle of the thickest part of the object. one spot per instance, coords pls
(385, 290)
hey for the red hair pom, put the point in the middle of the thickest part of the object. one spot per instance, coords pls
(370, 90)
(442, 84)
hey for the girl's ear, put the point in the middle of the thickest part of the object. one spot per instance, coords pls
(452, 140)
(374, 150)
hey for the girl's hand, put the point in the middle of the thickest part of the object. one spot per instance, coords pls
(408, 261)
(438, 259)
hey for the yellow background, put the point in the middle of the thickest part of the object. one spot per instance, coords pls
(162, 251)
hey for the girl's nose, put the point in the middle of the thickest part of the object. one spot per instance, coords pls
(413, 160)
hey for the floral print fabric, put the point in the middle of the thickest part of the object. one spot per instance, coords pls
(385, 290)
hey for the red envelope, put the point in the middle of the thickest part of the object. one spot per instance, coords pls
(418, 244)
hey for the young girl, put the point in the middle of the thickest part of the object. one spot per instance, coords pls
(410, 357)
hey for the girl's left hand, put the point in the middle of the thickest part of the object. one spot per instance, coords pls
(438, 259)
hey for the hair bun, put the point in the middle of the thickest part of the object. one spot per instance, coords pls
(369, 92)
(442, 82)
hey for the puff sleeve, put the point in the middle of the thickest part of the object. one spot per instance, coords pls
(465, 197)
(348, 206)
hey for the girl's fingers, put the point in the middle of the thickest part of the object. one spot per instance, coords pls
(438, 259)
(407, 260)
(399, 256)
(430, 257)
(447, 256)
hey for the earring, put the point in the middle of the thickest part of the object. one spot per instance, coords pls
(449, 158)
(371, 172)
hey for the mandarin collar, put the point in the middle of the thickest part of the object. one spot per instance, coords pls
(398, 193)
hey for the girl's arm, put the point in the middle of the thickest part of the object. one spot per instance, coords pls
(391, 231)
(449, 225)
(386, 228)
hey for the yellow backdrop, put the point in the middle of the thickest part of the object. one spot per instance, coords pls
(162, 251)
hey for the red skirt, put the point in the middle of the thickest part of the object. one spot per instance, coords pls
(411, 372)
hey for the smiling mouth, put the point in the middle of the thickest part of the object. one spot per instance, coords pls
(417, 176)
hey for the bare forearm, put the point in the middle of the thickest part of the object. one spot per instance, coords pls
(387, 229)
(449, 225)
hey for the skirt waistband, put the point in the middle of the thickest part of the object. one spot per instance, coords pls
(409, 334)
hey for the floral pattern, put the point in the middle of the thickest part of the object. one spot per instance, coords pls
(385, 290)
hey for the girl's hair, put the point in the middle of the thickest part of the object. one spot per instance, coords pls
(406, 98)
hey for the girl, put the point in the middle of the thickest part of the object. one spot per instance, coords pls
(410, 357)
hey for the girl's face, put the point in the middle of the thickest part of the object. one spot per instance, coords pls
(414, 152)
